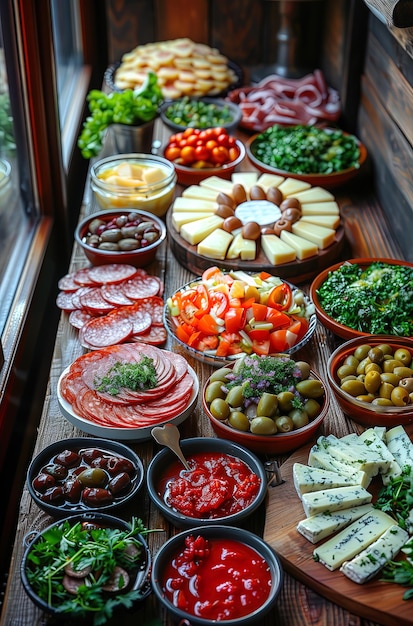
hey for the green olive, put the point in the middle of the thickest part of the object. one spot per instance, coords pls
(220, 374)
(352, 377)
(390, 364)
(385, 390)
(351, 360)
(285, 400)
(407, 383)
(312, 408)
(219, 408)
(239, 421)
(310, 388)
(346, 370)
(372, 381)
(214, 390)
(403, 372)
(400, 396)
(376, 355)
(361, 368)
(372, 367)
(403, 355)
(284, 424)
(93, 477)
(367, 397)
(354, 387)
(299, 417)
(235, 396)
(382, 402)
(390, 377)
(304, 368)
(267, 405)
(263, 426)
(385, 348)
(362, 351)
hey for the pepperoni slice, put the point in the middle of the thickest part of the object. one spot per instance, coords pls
(68, 283)
(113, 293)
(155, 336)
(65, 302)
(105, 331)
(78, 318)
(141, 320)
(142, 287)
(111, 273)
(82, 277)
(93, 301)
(155, 306)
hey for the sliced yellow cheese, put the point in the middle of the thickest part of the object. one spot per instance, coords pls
(246, 179)
(194, 204)
(200, 193)
(246, 249)
(194, 232)
(320, 208)
(269, 180)
(292, 186)
(319, 235)
(303, 247)
(315, 194)
(277, 251)
(179, 218)
(328, 221)
(215, 245)
(217, 184)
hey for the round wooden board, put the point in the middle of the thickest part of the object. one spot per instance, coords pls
(296, 271)
(375, 600)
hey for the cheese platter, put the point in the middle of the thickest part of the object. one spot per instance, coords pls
(315, 556)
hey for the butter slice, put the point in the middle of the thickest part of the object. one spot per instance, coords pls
(319, 235)
(215, 245)
(353, 539)
(194, 232)
(315, 194)
(193, 204)
(372, 559)
(303, 247)
(179, 218)
(335, 499)
(292, 186)
(322, 525)
(277, 251)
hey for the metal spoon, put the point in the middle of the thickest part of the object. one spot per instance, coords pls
(168, 435)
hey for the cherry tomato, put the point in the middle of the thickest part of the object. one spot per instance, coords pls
(211, 144)
(219, 130)
(233, 153)
(222, 139)
(202, 153)
(188, 132)
(188, 154)
(172, 153)
(191, 140)
(220, 155)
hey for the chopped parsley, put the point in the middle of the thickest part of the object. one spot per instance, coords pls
(377, 299)
(135, 376)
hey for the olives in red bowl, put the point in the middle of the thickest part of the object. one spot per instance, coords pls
(84, 474)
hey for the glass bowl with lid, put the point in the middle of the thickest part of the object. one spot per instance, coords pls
(134, 181)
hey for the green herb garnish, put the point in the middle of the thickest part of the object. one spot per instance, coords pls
(377, 300)
(131, 107)
(97, 548)
(194, 113)
(135, 376)
(401, 573)
(396, 498)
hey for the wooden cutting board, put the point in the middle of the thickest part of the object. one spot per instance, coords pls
(375, 600)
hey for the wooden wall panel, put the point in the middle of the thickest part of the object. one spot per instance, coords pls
(182, 18)
(129, 23)
(237, 29)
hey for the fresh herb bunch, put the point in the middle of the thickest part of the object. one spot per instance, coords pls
(396, 498)
(99, 548)
(136, 376)
(307, 149)
(7, 141)
(376, 300)
(258, 374)
(401, 573)
(131, 107)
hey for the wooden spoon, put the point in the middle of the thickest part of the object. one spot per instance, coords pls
(168, 435)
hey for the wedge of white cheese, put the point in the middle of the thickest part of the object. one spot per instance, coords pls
(356, 454)
(199, 193)
(277, 251)
(315, 194)
(293, 186)
(269, 180)
(399, 444)
(320, 208)
(372, 559)
(322, 525)
(335, 499)
(304, 248)
(179, 218)
(215, 245)
(353, 539)
(246, 249)
(194, 232)
(321, 236)
(319, 457)
(308, 479)
(217, 184)
(194, 205)
(246, 179)
(328, 221)
(374, 442)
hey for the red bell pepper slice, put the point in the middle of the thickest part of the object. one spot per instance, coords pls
(208, 325)
(280, 297)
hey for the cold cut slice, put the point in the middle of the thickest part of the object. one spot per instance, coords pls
(111, 273)
(105, 331)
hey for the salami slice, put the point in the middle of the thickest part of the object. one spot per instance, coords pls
(141, 320)
(78, 318)
(65, 302)
(155, 306)
(141, 287)
(82, 277)
(105, 331)
(93, 301)
(68, 283)
(113, 293)
(111, 273)
(155, 336)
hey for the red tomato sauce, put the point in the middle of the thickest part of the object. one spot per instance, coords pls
(216, 486)
(217, 579)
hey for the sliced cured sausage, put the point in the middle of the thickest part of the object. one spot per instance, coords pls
(141, 287)
(105, 331)
(114, 294)
(111, 273)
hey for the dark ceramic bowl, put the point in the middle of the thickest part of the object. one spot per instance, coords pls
(50, 476)
(362, 412)
(164, 459)
(174, 545)
(138, 258)
(139, 573)
(233, 112)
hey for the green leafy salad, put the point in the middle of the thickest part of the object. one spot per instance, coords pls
(377, 299)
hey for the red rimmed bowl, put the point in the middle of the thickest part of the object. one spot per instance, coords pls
(273, 444)
(341, 330)
(368, 413)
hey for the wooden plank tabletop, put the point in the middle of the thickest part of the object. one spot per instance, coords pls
(367, 235)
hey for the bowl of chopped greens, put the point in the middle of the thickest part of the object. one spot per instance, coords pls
(371, 378)
(319, 156)
(268, 404)
(200, 113)
(87, 567)
(365, 296)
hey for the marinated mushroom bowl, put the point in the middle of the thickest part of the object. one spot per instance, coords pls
(87, 564)
(120, 236)
(84, 474)
(371, 378)
(225, 484)
(269, 404)
(235, 578)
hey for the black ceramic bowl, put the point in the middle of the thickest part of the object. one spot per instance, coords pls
(163, 460)
(137, 573)
(53, 483)
(223, 534)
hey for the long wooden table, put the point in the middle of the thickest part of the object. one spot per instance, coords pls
(367, 235)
